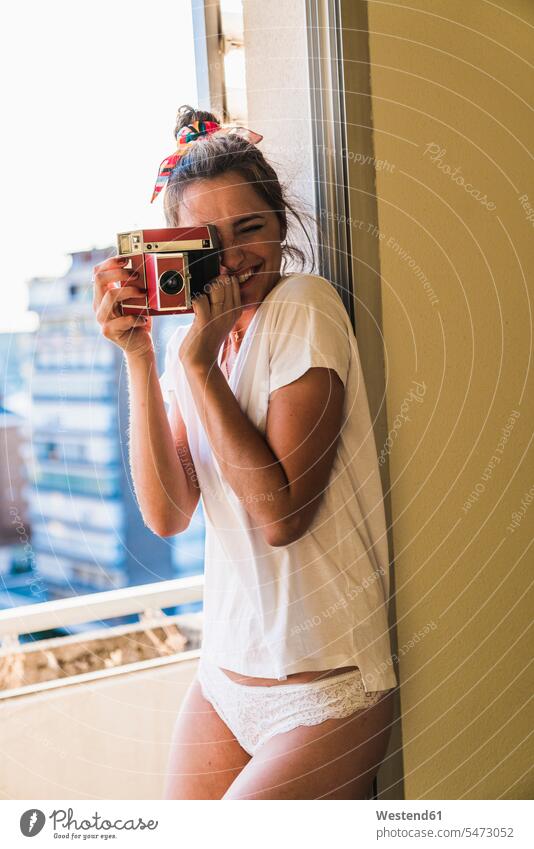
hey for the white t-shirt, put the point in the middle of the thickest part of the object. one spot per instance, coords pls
(320, 602)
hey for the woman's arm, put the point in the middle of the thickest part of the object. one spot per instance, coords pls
(159, 453)
(163, 473)
(280, 478)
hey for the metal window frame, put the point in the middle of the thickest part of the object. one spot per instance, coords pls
(209, 56)
(328, 115)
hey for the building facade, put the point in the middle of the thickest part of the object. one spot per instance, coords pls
(88, 533)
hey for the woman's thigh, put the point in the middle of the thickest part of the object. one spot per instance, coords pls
(336, 759)
(205, 757)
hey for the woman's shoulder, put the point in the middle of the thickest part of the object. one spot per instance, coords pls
(306, 286)
(301, 291)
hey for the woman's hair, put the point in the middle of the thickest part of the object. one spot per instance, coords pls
(212, 156)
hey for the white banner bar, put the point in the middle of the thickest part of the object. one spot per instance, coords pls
(309, 824)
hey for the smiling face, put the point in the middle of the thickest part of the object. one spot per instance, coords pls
(248, 229)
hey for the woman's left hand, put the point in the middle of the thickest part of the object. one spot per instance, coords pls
(216, 312)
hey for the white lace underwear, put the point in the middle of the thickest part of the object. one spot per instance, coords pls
(254, 714)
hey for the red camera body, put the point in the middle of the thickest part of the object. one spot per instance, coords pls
(174, 265)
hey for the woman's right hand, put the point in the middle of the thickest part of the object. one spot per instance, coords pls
(129, 332)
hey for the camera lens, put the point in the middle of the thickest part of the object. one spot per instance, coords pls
(171, 282)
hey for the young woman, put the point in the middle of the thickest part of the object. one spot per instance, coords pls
(269, 422)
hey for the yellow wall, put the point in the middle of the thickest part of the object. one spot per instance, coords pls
(454, 75)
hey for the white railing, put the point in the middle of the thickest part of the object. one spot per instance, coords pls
(146, 599)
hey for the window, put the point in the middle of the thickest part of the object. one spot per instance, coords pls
(103, 129)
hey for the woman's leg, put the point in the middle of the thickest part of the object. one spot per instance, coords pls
(205, 757)
(336, 759)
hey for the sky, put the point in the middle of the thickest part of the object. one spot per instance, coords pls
(88, 115)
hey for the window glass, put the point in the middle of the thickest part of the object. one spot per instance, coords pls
(91, 109)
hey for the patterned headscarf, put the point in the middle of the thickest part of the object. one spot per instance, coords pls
(187, 136)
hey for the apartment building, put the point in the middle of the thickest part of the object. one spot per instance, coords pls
(87, 530)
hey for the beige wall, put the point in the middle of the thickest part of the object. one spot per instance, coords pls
(455, 314)
(108, 738)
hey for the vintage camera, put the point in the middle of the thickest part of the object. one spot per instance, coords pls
(174, 264)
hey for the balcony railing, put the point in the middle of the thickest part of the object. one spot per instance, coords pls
(147, 599)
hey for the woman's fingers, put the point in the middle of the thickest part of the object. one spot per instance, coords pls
(221, 297)
(201, 307)
(217, 296)
(110, 271)
(220, 300)
(106, 309)
(131, 333)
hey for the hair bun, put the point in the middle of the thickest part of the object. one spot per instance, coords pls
(187, 114)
